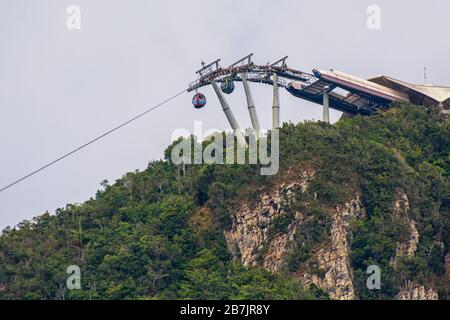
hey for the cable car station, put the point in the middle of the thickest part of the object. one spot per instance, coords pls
(331, 89)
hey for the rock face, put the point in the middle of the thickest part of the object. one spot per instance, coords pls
(251, 225)
(413, 291)
(410, 291)
(408, 248)
(251, 228)
(251, 240)
(334, 259)
(248, 240)
(274, 259)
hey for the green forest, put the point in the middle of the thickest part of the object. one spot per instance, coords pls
(159, 233)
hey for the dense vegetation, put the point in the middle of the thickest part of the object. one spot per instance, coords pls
(158, 234)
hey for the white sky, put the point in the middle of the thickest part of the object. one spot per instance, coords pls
(60, 88)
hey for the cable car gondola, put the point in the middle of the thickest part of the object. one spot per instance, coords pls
(199, 100)
(227, 86)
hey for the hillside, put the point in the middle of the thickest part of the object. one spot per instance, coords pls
(365, 191)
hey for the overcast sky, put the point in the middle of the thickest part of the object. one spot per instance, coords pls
(60, 88)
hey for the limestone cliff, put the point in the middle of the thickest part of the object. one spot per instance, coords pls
(249, 238)
(414, 291)
(334, 259)
(255, 241)
(329, 268)
(408, 248)
(252, 223)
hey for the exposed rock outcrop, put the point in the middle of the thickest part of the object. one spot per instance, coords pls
(274, 260)
(408, 248)
(414, 291)
(252, 223)
(334, 259)
(251, 228)
(252, 241)
(248, 240)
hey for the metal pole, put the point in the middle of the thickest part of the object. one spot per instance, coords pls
(229, 114)
(276, 103)
(251, 106)
(326, 107)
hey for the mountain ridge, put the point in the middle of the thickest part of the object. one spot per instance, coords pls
(366, 191)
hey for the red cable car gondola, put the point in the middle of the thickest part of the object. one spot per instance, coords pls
(199, 100)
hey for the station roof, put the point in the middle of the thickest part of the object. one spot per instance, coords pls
(428, 95)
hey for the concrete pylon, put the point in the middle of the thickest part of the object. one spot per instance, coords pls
(326, 107)
(229, 114)
(276, 104)
(251, 106)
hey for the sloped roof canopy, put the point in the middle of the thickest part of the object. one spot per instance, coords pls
(427, 95)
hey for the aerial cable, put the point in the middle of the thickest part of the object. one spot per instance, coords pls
(91, 141)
